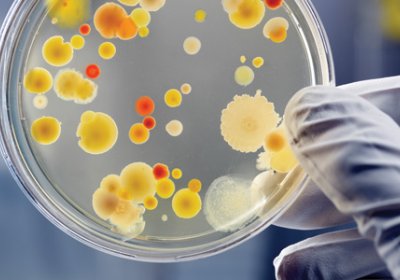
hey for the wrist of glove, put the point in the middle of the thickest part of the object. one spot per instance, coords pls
(348, 141)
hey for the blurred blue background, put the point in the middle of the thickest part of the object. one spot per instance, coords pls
(32, 248)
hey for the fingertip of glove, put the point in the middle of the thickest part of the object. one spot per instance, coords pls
(288, 266)
(298, 106)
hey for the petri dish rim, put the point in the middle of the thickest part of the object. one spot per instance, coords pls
(79, 226)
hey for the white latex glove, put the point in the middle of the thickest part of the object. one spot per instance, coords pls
(348, 140)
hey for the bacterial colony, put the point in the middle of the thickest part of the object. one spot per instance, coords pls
(247, 124)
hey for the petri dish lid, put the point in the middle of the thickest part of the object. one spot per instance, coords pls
(236, 200)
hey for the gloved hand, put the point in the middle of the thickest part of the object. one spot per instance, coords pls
(348, 140)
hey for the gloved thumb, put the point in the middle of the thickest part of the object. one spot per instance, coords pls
(351, 150)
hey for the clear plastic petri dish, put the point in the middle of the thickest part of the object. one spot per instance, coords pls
(141, 138)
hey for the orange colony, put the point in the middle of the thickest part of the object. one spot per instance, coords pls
(68, 13)
(97, 132)
(195, 185)
(160, 171)
(149, 122)
(275, 140)
(276, 29)
(248, 14)
(127, 29)
(139, 134)
(104, 203)
(278, 154)
(186, 204)
(85, 29)
(258, 62)
(165, 188)
(273, 4)
(176, 173)
(139, 181)
(38, 81)
(93, 71)
(150, 203)
(56, 52)
(111, 20)
(145, 106)
(46, 130)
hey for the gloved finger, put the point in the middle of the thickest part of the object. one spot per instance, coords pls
(383, 93)
(336, 255)
(351, 150)
(312, 210)
(317, 211)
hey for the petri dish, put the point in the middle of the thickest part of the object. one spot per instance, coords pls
(154, 97)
